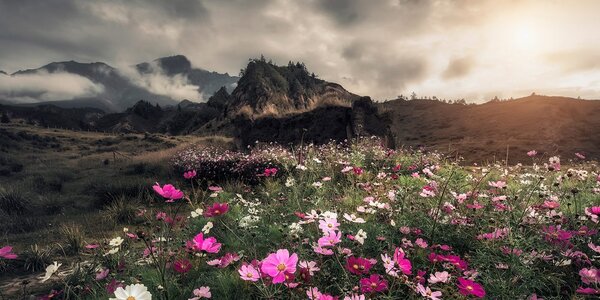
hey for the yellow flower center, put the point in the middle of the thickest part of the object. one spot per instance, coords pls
(249, 275)
(355, 267)
(470, 288)
(280, 267)
(131, 298)
(373, 285)
(329, 225)
(217, 211)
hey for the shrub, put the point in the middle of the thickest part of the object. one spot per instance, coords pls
(72, 237)
(122, 210)
(13, 203)
(106, 192)
(36, 258)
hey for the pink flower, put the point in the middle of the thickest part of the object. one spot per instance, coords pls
(91, 246)
(269, 172)
(532, 153)
(102, 274)
(6, 253)
(355, 297)
(328, 225)
(403, 264)
(189, 174)
(215, 189)
(588, 291)
(437, 277)
(216, 210)
(375, 283)
(470, 288)
(428, 293)
(590, 276)
(330, 239)
(224, 261)
(278, 264)
(209, 244)
(182, 266)
(322, 251)
(497, 184)
(168, 191)
(550, 204)
(579, 155)
(421, 243)
(358, 265)
(202, 292)
(357, 170)
(249, 273)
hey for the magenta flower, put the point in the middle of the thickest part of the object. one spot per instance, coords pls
(269, 172)
(249, 273)
(182, 266)
(168, 191)
(375, 283)
(590, 276)
(102, 274)
(403, 264)
(580, 155)
(216, 210)
(209, 244)
(189, 174)
(6, 253)
(358, 265)
(330, 239)
(276, 265)
(470, 288)
(588, 291)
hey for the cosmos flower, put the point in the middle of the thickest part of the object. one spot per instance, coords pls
(470, 288)
(132, 292)
(216, 210)
(189, 174)
(374, 283)
(209, 244)
(168, 191)
(358, 265)
(276, 265)
(6, 253)
(249, 273)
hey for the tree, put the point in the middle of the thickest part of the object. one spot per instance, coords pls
(413, 96)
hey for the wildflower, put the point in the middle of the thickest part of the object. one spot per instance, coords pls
(209, 244)
(310, 266)
(580, 155)
(358, 265)
(328, 225)
(224, 261)
(113, 285)
(428, 293)
(207, 227)
(269, 172)
(355, 297)
(278, 264)
(216, 209)
(102, 274)
(196, 213)
(361, 236)
(497, 184)
(593, 212)
(50, 270)
(374, 283)
(330, 239)
(421, 243)
(249, 273)
(168, 191)
(438, 277)
(353, 218)
(590, 276)
(182, 266)
(116, 242)
(357, 170)
(91, 246)
(588, 291)
(595, 248)
(470, 288)
(202, 292)
(132, 292)
(403, 264)
(313, 293)
(322, 251)
(531, 153)
(189, 174)
(6, 253)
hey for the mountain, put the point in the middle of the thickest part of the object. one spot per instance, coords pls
(268, 89)
(121, 90)
(208, 82)
(550, 125)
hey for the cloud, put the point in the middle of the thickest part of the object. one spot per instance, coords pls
(458, 67)
(575, 60)
(43, 86)
(156, 81)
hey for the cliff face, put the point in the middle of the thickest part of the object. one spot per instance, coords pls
(267, 89)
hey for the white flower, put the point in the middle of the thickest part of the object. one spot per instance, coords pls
(206, 229)
(329, 215)
(50, 270)
(360, 236)
(248, 221)
(125, 229)
(290, 182)
(197, 213)
(116, 242)
(354, 218)
(317, 184)
(301, 167)
(295, 229)
(132, 292)
(112, 251)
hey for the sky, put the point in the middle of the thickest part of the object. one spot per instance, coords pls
(380, 48)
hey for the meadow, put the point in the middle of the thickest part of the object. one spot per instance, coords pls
(337, 221)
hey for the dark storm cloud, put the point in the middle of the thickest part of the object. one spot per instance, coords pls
(379, 48)
(458, 67)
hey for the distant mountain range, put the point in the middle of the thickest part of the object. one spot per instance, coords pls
(123, 88)
(288, 104)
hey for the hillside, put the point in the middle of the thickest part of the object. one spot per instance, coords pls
(268, 89)
(550, 125)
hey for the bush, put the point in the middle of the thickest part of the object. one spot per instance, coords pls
(72, 237)
(122, 210)
(36, 258)
(13, 203)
